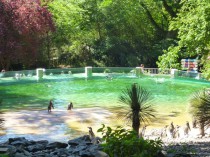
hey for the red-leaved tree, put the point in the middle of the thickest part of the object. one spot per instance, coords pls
(22, 24)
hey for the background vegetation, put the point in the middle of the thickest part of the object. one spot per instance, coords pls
(103, 33)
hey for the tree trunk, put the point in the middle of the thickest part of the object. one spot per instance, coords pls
(48, 50)
(152, 20)
(202, 132)
(169, 9)
(136, 122)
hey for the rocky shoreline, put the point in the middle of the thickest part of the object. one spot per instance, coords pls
(83, 147)
(79, 147)
(190, 145)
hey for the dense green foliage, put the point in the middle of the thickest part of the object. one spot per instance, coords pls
(139, 101)
(193, 25)
(125, 143)
(23, 23)
(118, 33)
(109, 33)
(102, 32)
(200, 108)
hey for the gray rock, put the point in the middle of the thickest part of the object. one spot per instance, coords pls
(27, 153)
(62, 152)
(100, 154)
(86, 153)
(39, 154)
(18, 143)
(11, 149)
(84, 139)
(20, 155)
(30, 143)
(182, 155)
(94, 148)
(79, 148)
(43, 142)
(56, 145)
(36, 147)
(161, 154)
(11, 140)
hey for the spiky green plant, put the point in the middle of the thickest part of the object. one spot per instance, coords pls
(200, 108)
(139, 100)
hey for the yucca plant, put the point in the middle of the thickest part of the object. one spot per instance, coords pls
(200, 108)
(139, 100)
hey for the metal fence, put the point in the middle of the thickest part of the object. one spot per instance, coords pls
(190, 74)
(147, 71)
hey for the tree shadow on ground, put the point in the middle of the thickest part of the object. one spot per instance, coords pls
(55, 123)
(174, 114)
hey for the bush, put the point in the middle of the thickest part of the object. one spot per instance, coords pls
(125, 143)
(200, 108)
(107, 71)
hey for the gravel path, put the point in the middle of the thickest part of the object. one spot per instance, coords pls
(191, 145)
(194, 149)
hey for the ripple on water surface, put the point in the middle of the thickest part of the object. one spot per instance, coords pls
(95, 102)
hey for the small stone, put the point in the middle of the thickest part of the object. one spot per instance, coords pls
(100, 154)
(56, 145)
(16, 139)
(3, 150)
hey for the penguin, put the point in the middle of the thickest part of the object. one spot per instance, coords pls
(194, 123)
(141, 134)
(93, 138)
(91, 133)
(187, 128)
(171, 129)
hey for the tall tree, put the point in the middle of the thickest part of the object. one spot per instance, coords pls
(193, 25)
(22, 24)
(76, 30)
(107, 33)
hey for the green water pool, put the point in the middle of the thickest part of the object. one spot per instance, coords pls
(170, 96)
(95, 92)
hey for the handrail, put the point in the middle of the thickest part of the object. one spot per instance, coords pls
(101, 70)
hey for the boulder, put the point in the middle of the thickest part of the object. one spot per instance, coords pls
(35, 147)
(79, 147)
(84, 139)
(56, 145)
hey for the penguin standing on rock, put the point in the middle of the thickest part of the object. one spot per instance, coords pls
(194, 122)
(187, 128)
(164, 131)
(171, 130)
(91, 133)
(93, 138)
(176, 132)
(142, 133)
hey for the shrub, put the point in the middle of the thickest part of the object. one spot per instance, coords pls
(200, 108)
(124, 143)
(107, 71)
(139, 101)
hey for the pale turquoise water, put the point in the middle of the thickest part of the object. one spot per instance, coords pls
(95, 92)
(170, 96)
